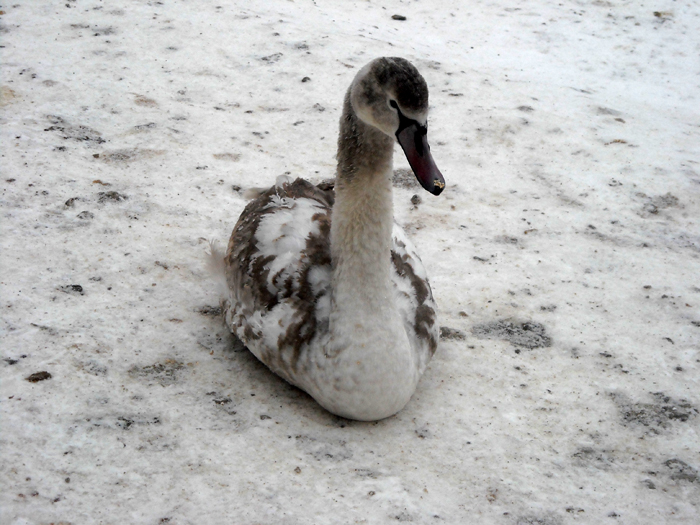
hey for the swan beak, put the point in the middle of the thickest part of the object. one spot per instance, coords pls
(414, 142)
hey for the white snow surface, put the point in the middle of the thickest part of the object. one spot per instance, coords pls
(569, 137)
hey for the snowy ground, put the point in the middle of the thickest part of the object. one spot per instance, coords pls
(564, 256)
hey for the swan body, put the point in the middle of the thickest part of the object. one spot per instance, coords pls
(322, 286)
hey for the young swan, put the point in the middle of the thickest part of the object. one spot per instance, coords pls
(323, 286)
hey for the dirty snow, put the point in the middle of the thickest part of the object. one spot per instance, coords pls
(564, 256)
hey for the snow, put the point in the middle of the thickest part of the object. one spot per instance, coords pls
(564, 255)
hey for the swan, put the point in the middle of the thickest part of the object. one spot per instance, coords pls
(322, 286)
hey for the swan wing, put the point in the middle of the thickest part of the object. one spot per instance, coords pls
(278, 269)
(414, 298)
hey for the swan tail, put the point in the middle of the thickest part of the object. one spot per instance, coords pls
(253, 193)
(217, 267)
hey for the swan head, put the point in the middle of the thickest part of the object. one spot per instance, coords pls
(391, 95)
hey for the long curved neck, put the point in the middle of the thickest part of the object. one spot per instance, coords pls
(362, 218)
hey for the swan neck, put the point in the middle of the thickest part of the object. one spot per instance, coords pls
(362, 213)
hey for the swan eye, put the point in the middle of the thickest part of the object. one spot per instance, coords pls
(394, 105)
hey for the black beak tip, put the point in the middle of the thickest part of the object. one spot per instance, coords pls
(437, 188)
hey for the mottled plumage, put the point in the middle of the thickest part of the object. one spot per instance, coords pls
(280, 303)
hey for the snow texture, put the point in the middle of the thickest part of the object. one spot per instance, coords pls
(564, 256)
